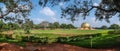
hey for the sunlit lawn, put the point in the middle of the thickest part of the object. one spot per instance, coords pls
(69, 31)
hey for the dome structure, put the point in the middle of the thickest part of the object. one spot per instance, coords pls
(85, 26)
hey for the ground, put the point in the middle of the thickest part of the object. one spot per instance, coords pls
(50, 47)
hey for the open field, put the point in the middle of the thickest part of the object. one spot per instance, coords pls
(66, 31)
(82, 38)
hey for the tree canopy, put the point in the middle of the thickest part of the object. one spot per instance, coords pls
(15, 10)
(21, 8)
(104, 10)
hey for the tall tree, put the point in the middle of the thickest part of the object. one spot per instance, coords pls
(14, 10)
(63, 26)
(21, 8)
(56, 25)
(114, 26)
(104, 10)
(104, 27)
(70, 26)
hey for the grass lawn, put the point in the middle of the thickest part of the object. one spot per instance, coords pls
(102, 41)
(66, 31)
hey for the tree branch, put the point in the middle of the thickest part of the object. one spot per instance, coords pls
(111, 10)
(89, 10)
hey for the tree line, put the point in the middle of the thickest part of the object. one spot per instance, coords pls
(112, 26)
(28, 24)
(55, 25)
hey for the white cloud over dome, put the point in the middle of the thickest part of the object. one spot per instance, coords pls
(47, 11)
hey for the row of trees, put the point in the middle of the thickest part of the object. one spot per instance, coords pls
(106, 9)
(28, 25)
(113, 26)
(55, 25)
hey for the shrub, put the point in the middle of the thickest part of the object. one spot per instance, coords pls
(5, 36)
(114, 32)
(44, 40)
(27, 31)
(18, 37)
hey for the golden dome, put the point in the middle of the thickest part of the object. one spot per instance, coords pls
(85, 25)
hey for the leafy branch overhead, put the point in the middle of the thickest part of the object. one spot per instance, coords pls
(15, 9)
(71, 9)
(104, 10)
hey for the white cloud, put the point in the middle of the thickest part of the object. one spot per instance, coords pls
(38, 20)
(95, 4)
(50, 13)
(47, 11)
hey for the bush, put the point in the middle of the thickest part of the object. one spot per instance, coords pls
(27, 31)
(42, 40)
(77, 38)
(63, 39)
(18, 37)
(5, 36)
(114, 32)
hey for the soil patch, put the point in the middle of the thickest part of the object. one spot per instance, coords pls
(50, 47)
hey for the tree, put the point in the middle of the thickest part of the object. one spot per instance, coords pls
(12, 26)
(18, 8)
(56, 25)
(104, 27)
(36, 26)
(63, 26)
(116, 29)
(114, 26)
(70, 26)
(1, 25)
(104, 10)
(27, 25)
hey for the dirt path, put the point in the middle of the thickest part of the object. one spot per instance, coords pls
(51, 47)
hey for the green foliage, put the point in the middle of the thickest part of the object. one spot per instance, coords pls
(105, 41)
(114, 26)
(8, 26)
(70, 26)
(10, 39)
(114, 32)
(16, 8)
(27, 26)
(77, 38)
(98, 40)
(105, 10)
(104, 27)
(27, 30)
(1, 25)
(67, 26)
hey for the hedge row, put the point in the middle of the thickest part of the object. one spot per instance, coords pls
(46, 40)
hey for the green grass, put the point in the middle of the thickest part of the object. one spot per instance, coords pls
(104, 41)
(66, 31)
(20, 43)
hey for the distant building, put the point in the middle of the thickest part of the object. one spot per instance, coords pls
(85, 26)
(44, 25)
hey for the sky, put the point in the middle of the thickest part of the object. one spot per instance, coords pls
(52, 14)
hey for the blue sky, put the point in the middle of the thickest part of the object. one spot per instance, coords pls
(52, 14)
